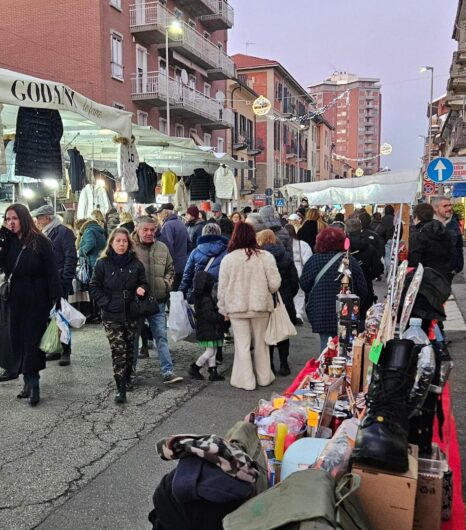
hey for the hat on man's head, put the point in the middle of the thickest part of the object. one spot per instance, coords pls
(165, 206)
(43, 210)
(216, 207)
(151, 209)
(295, 217)
(193, 210)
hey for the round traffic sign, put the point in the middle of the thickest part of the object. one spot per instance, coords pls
(269, 192)
(440, 170)
(429, 188)
(386, 149)
(359, 172)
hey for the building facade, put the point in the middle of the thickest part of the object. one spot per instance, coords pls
(284, 132)
(324, 148)
(114, 51)
(355, 111)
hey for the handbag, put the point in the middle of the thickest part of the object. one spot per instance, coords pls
(144, 306)
(5, 283)
(280, 326)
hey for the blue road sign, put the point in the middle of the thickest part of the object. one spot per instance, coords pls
(440, 170)
(279, 203)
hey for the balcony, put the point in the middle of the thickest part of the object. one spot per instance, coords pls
(222, 18)
(151, 90)
(199, 7)
(149, 22)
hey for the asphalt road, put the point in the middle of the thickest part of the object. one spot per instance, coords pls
(80, 461)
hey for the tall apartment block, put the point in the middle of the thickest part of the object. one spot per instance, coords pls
(114, 51)
(356, 119)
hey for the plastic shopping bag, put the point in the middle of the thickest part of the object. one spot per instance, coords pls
(74, 318)
(179, 324)
(280, 326)
(50, 342)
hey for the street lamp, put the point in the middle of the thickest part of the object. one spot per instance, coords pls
(177, 28)
(431, 70)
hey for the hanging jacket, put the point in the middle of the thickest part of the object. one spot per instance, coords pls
(109, 179)
(169, 181)
(92, 198)
(225, 184)
(175, 236)
(181, 196)
(128, 162)
(10, 158)
(202, 186)
(147, 180)
(37, 143)
(92, 242)
(77, 170)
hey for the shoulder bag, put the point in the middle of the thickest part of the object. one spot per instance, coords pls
(325, 269)
(5, 284)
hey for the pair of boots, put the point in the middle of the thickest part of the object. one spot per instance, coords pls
(284, 369)
(124, 384)
(195, 372)
(30, 389)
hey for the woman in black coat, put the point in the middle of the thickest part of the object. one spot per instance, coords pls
(289, 288)
(118, 278)
(27, 255)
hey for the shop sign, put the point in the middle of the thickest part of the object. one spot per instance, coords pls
(260, 196)
(259, 203)
(261, 106)
(459, 169)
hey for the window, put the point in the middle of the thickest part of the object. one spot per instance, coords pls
(142, 118)
(117, 105)
(192, 132)
(179, 130)
(178, 13)
(207, 139)
(191, 23)
(207, 90)
(117, 55)
(116, 4)
(163, 125)
(220, 145)
(206, 35)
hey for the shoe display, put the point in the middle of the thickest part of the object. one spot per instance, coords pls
(64, 359)
(169, 379)
(53, 356)
(194, 372)
(144, 352)
(382, 439)
(5, 375)
(214, 375)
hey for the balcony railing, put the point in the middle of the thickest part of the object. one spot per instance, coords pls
(200, 7)
(150, 22)
(184, 100)
(223, 18)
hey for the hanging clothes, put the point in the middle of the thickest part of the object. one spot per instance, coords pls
(169, 181)
(10, 157)
(128, 162)
(147, 181)
(77, 170)
(92, 198)
(181, 196)
(225, 184)
(108, 178)
(202, 186)
(37, 143)
(2, 146)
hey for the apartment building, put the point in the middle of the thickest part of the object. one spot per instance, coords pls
(324, 148)
(115, 52)
(355, 118)
(284, 132)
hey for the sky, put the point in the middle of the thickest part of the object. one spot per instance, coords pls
(388, 39)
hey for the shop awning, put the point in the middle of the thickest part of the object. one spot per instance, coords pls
(382, 188)
(26, 91)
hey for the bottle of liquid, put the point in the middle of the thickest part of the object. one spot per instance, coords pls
(415, 332)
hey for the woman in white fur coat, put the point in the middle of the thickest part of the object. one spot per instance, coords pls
(248, 278)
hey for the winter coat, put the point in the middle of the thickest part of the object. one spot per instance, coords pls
(209, 322)
(209, 247)
(246, 284)
(430, 244)
(201, 186)
(284, 237)
(388, 227)
(92, 198)
(301, 254)
(169, 181)
(77, 170)
(175, 236)
(37, 143)
(92, 242)
(376, 226)
(34, 286)
(128, 162)
(158, 265)
(114, 287)
(308, 233)
(321, 304)
(290, 282)
(225, 184)
(64, 249)
(194, 228)
(376, 241)
(457, 259)
(271, 220)
(147, 181)
(181, 196)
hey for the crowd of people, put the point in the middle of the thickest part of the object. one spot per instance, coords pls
(232, 270)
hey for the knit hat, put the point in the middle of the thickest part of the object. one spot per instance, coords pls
(269, 217)
(193, 210)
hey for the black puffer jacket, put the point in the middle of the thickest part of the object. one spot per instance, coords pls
(201, 186)
(431, 245)
(37, 143)
(209, 322)
(289, 275)
(113, 286)
(66, 258)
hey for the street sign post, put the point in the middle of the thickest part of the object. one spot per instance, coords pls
(440, 170)
(269, 192)
(279, 203)
(429, 188)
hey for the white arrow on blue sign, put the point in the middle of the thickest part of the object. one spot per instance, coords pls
(440, 170)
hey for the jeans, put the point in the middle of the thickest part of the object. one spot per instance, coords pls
(158, 327)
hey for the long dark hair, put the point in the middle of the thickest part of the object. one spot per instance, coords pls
(30, 234)
(244, 237)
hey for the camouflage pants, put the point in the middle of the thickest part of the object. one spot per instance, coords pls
(121, 335)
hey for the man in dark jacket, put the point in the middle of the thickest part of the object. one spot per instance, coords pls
(175, 235)
(373, 238)
(271, 220)
(194, 224)
(429, 243)
(64, 250)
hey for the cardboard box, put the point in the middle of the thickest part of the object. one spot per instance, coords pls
(388, 499)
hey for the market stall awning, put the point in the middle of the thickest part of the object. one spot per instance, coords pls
(381, 188)
(26, 91)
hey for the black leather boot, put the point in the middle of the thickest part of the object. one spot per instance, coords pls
(34, 392)
(24, 394)
(272, 367)
(129, 380)
(382, 439)
(121, 387)
(214, 375)
(283, 352)
(195, 373)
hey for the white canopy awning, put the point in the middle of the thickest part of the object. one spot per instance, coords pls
(26, 91)
(381, 188)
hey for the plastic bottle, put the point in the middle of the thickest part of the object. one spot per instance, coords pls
(280, 435)
(415, 332)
